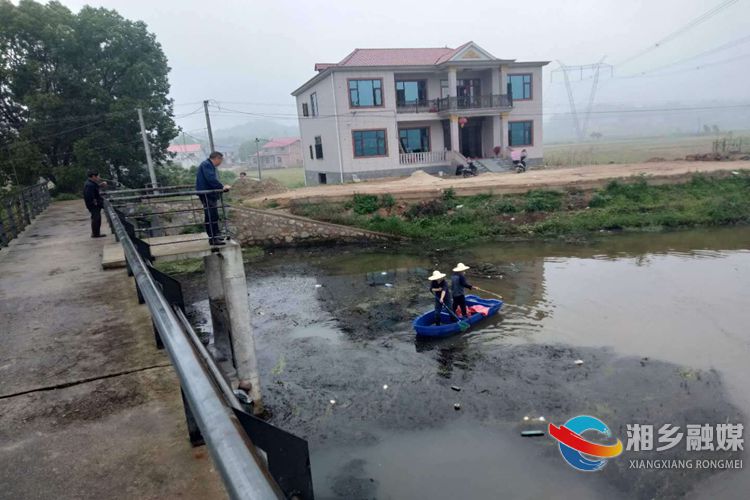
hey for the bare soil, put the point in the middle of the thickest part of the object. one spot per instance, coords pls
(422, 186)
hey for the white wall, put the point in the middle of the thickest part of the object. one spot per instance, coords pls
(323, 125)
(529, 109)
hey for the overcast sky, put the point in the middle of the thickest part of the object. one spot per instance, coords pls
(251, 55)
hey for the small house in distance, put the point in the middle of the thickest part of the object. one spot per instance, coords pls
(389, 112)
(187, 155)
(281, 152)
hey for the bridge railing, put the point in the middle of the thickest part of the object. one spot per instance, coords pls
(18, 208)
(170, 210)
(216, 415)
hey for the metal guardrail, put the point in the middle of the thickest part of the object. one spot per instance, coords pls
(170, 210)
(18, 209)
(242, 469)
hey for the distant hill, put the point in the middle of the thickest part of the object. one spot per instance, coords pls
(260, 128)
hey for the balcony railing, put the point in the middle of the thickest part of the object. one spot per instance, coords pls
(420, 106)
(474, 102)
(427, 157)
(455, 103)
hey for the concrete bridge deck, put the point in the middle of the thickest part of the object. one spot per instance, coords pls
(88, 407)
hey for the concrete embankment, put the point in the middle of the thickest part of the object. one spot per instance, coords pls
(88, 407)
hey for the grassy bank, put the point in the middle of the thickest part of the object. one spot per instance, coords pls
(631, 205)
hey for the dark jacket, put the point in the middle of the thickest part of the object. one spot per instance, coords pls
(458, 283)
(91, 195)
(206, 179)
(437, 287)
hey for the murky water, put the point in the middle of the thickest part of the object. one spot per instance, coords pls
(661, 322)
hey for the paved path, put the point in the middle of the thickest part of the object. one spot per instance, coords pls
(88, 407)
(421, 186)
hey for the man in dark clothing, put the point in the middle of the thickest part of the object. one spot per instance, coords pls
(439, 288)
(458, 283)
(93, 199)
(207, 179)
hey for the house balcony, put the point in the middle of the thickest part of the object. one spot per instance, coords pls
(465, 105)
(423, 158)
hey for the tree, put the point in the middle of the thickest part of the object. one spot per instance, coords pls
(69, 88)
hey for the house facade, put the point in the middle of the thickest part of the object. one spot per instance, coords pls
(281, 152)
(187, 155)
(389, 112)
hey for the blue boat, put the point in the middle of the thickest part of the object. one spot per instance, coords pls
(425, 324)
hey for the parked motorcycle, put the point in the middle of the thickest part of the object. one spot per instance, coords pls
(468, 170)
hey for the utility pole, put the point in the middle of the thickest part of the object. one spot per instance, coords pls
(208, 127)
(257, 155)
(147, 147)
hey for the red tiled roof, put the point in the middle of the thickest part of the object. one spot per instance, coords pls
(280, 142)
(184, 148)
(396, 57)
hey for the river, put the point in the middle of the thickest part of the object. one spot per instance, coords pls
(660, 322)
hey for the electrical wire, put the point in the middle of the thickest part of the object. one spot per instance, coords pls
(671, 36)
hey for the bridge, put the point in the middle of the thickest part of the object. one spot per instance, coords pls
(107, 391)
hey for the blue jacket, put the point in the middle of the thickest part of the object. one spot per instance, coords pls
(458, 283)
(206, 178)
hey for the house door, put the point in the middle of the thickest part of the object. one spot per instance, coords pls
(471, 138)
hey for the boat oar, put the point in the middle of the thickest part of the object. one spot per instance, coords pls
(463, 325)
(487, 291)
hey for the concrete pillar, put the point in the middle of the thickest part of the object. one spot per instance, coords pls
(455, 146)
(503, 80)
(452, 82)
(218, 306)
(238, 307)
(497, 131)
(495, 81)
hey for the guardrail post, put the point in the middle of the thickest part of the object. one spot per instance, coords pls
(217, 304)
(196, 438)
(243, 343)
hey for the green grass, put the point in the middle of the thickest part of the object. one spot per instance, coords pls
(631, 205)
(631, 150)
(292, 178)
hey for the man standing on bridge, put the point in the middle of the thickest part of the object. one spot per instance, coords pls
(208, 180)
(93, 199)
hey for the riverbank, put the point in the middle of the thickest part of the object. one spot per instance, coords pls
(636, 204)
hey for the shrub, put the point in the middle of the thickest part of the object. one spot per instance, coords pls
(543, 201)
(387, 201)
(600, 199)
(449, 196)
(430, 208)
(364, 203)
(504, 206)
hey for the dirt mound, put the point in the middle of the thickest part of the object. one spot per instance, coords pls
(250, 188)
(706, 157)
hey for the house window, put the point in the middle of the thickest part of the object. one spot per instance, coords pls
(322, 178)
(410, 92)
(520, 86)
(318, 148)
(305, 111)
(314, 104)
(521, 133)
(414, 140)
(365, 93)
(369, 143)
(444, 88)
(312, 157)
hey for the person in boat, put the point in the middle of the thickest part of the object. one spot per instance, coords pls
(458, 284)
(441, 292)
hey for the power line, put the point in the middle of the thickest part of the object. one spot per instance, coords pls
(695, 22)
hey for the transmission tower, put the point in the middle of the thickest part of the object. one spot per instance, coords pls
(581, 70)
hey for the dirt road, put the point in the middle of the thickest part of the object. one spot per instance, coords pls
(420, 185)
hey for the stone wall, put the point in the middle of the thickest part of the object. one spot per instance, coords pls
(272, 228)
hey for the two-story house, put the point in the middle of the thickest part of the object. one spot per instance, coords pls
(389, 112)
(280, 152)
